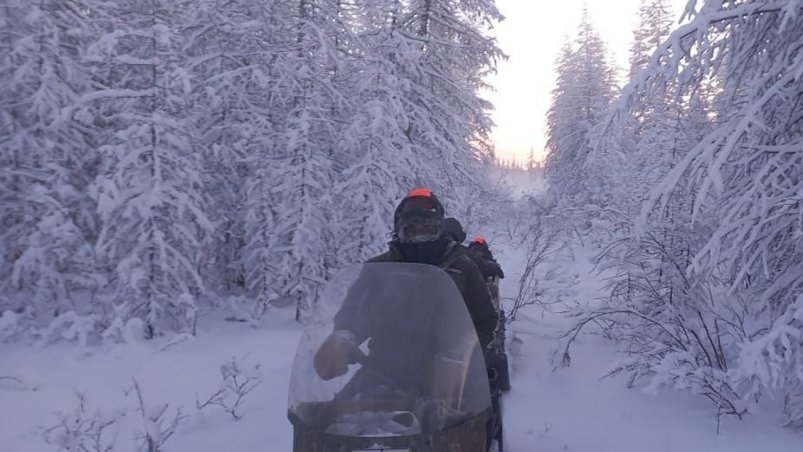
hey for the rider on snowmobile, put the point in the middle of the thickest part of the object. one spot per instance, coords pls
(484, 259)
(418, 238)
(478, 252)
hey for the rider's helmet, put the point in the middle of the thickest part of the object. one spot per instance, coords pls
(418, 217)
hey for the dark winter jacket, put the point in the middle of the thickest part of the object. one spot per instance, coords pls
(468, 279)
(488, 268)
(482, 256)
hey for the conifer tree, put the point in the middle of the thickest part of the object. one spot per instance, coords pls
(654, 25)
(150, 196)
(47, 158)
(584, 88)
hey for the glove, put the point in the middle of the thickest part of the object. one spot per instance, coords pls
(335, 354)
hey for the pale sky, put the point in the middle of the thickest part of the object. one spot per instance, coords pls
(531, 35)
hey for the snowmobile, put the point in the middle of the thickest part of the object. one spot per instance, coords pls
(497, 361)
(418, 381)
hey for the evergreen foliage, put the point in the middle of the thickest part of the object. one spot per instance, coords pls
(160, 155)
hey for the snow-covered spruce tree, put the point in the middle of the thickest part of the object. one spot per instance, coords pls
(444, 53)
(562, 141)
(375, 161)
(217, 40)
(654, 25)
(237, 47)
(419, 119)
(652, 139)
(150, 193)
(267, 98)
(636, 160)
(584, 89)
(737, 335)
(374, 150)
(48, 221)
(310, 106)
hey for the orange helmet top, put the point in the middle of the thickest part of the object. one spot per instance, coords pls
(479, 239)
(418, 198)
(423, 192)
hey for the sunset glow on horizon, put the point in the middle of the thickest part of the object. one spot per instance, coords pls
(531, 35)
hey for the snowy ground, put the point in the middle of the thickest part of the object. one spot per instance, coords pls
(566, 410)
(52, 376)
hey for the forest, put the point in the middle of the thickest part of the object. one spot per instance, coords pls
(165, 160)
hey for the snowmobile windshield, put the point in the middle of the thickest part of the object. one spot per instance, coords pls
(419, 367)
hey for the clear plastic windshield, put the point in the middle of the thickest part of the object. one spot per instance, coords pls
(419, 367)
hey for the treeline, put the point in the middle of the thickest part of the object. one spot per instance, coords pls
(157, 157)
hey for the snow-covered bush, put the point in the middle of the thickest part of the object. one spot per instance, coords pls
(157, 425)
(239, 378)
(708, 280)
(68, 326)
(73, 327)
(90, 429)
(128, 332)
(84, 429)
(542, 240)
(10, 325)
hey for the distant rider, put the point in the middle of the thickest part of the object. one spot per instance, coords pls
(485, 260)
